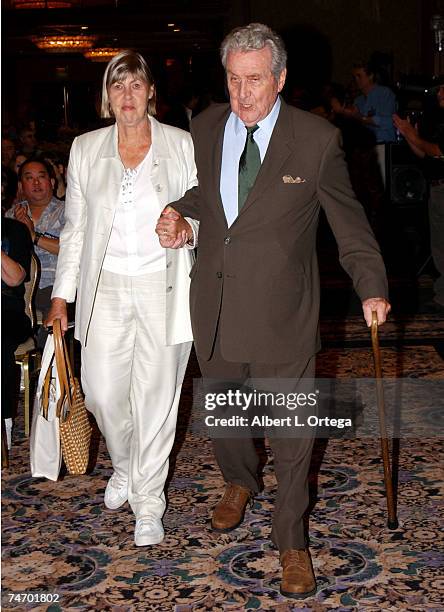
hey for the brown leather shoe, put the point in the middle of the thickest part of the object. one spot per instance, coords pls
(229, 512)
(298, 580)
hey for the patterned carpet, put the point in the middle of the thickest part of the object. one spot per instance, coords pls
(59, 539)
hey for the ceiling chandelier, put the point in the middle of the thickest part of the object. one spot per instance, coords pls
(64, 43)
(41, 4)
(101, 54)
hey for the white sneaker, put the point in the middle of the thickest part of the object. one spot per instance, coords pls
(116, 494)
(149, 530)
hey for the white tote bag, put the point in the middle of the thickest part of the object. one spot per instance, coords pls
(45, 450)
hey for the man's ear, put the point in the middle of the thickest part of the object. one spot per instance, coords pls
(281, 80)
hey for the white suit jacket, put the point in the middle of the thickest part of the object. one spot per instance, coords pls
(95, 174)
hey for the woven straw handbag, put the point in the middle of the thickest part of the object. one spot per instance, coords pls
(75, 428)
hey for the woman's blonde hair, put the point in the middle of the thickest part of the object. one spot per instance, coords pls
(125, 63)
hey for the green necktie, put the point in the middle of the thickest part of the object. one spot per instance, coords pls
(249, 164)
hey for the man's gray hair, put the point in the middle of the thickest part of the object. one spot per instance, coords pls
(254, 37)
(119, 67)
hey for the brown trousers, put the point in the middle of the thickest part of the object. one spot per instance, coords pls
(239, 461)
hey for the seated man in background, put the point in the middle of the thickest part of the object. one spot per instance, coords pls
(43, 215)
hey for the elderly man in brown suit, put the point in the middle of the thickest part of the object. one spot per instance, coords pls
(255, 286)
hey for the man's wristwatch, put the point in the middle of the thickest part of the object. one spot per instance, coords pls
(37, 236)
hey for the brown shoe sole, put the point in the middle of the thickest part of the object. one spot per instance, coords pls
(298, 595)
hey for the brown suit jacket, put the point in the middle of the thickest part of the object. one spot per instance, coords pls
(259, 278)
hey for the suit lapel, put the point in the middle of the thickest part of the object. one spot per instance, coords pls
(159, 175)
(113, 168)
(216, 162)
(159, 144)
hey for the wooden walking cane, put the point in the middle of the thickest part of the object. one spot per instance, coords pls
(392, 522)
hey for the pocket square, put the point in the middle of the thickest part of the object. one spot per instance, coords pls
(287, 178)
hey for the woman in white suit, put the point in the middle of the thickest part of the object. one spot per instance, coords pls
(132, 314)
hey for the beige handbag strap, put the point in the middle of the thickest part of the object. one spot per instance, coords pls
(64, 371)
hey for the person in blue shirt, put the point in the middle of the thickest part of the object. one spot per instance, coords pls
(375, 105)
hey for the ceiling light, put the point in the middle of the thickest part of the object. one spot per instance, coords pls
(41, 4)
(101, 54)
(64, 44)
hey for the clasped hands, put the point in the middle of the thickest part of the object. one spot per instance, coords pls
(173, 230)
(21, 214)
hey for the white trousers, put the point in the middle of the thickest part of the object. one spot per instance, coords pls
(380, 153)
(132, 383)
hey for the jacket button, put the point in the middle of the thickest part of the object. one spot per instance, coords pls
(158, 187)
(169, 289)
(169, 264)
(227, 240)
(219, 275)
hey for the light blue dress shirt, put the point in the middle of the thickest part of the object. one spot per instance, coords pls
(379, 104)
(235, 135)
